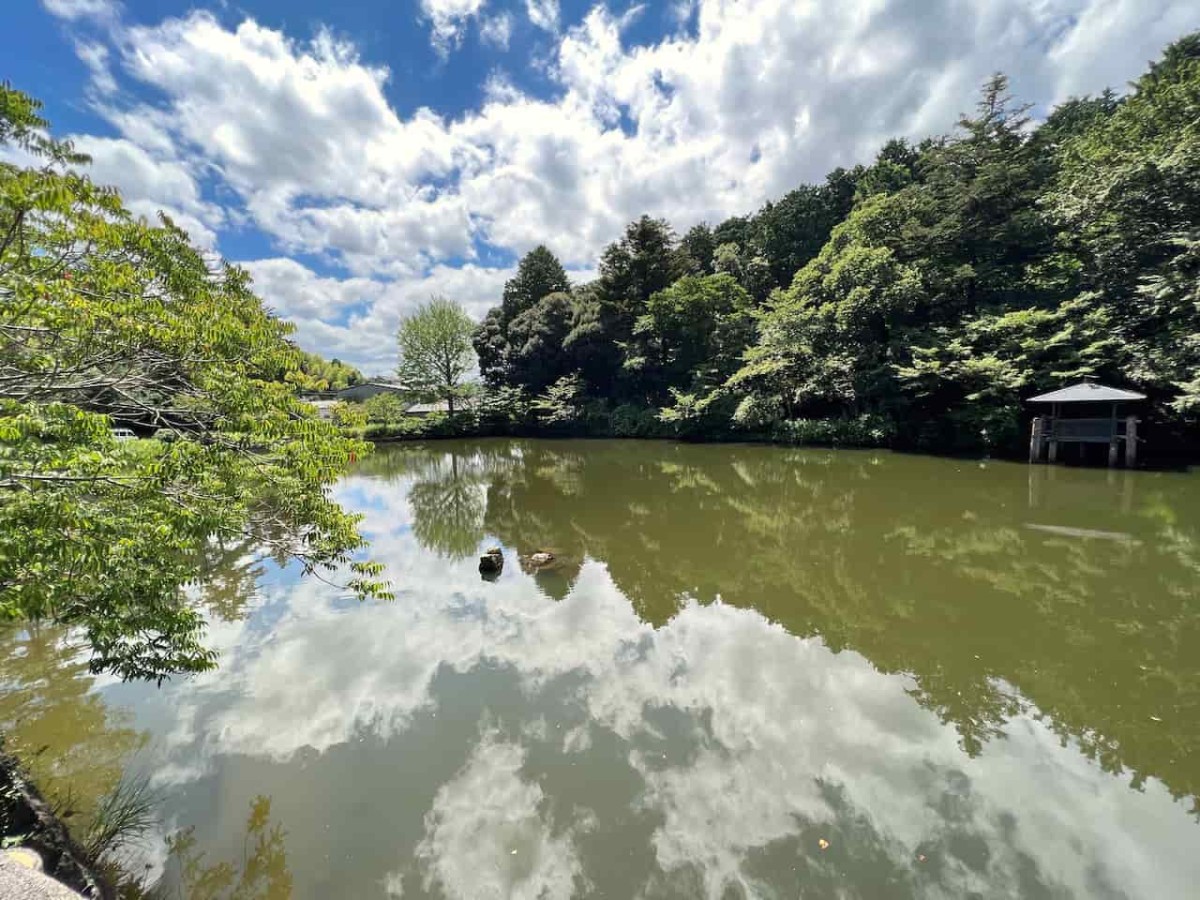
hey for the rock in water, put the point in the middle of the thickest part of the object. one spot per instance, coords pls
(491, 562)
(541, 558)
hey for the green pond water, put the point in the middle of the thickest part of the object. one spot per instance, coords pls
(750, 672)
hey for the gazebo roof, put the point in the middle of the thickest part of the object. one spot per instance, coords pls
(1087, 392)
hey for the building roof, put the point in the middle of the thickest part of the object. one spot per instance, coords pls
(1088, 392)
(377, 386)
(436, 406)
(460, 404)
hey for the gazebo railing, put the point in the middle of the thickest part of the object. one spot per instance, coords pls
(1048, 432)
(1091, 431)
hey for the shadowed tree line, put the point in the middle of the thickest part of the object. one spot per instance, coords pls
(914, 301)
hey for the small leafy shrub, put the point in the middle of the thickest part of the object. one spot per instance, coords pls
(411, 427)
(629, 420)
(385, 407)
(861, 431)
(562, 405)
(503, 410)
(756, 412)
(348, 415)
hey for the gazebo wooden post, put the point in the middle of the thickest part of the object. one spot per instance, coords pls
(1053, 428)
(1112, 439)
(1035, 439)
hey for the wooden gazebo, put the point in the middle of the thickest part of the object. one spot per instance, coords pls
(1077, 416)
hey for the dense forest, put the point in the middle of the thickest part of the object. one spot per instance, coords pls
(913, 302)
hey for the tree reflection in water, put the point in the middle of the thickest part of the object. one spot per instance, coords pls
(261, 874)
(928, 567)
(685, 747)
(74, 746)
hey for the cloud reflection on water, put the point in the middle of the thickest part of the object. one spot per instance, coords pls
(746, 744)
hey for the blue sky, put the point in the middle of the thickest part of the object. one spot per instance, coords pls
(360, 156)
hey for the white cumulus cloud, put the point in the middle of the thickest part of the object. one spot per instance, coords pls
(150, 185)
(305, 143)
(319, 306)
(448, 19)
(543, 13)
(497, 30)
(95, 56)
(73, 10)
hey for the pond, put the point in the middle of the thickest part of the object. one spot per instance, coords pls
(749, 672)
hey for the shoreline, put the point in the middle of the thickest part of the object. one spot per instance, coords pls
(1163, 464)
(25, 814)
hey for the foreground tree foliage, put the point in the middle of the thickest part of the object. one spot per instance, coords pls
(108, 321)
(917, 300)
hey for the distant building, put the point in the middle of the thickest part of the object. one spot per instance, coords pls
(420, 410)
(324, 408)
(368, 389)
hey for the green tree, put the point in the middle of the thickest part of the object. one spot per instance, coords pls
(699, 246)
(988, 229)
(435, 350)
(694, 332)
(539, 274)
(591, 342)
(538, 354)
(490, 340)
(829, 342)
(736, 230)
(106, 320)
(385, 407)
(896, 166)
(644, 262)
(348, 415)
(791, 231)
(1127, 198)
(563, 402)
(752, 272)
(319, 374)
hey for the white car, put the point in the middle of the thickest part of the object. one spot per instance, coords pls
(123, 434)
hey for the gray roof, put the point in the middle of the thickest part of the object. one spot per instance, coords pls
(436, 406)
(460, 404)
(1087, 392)
(378, 386)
